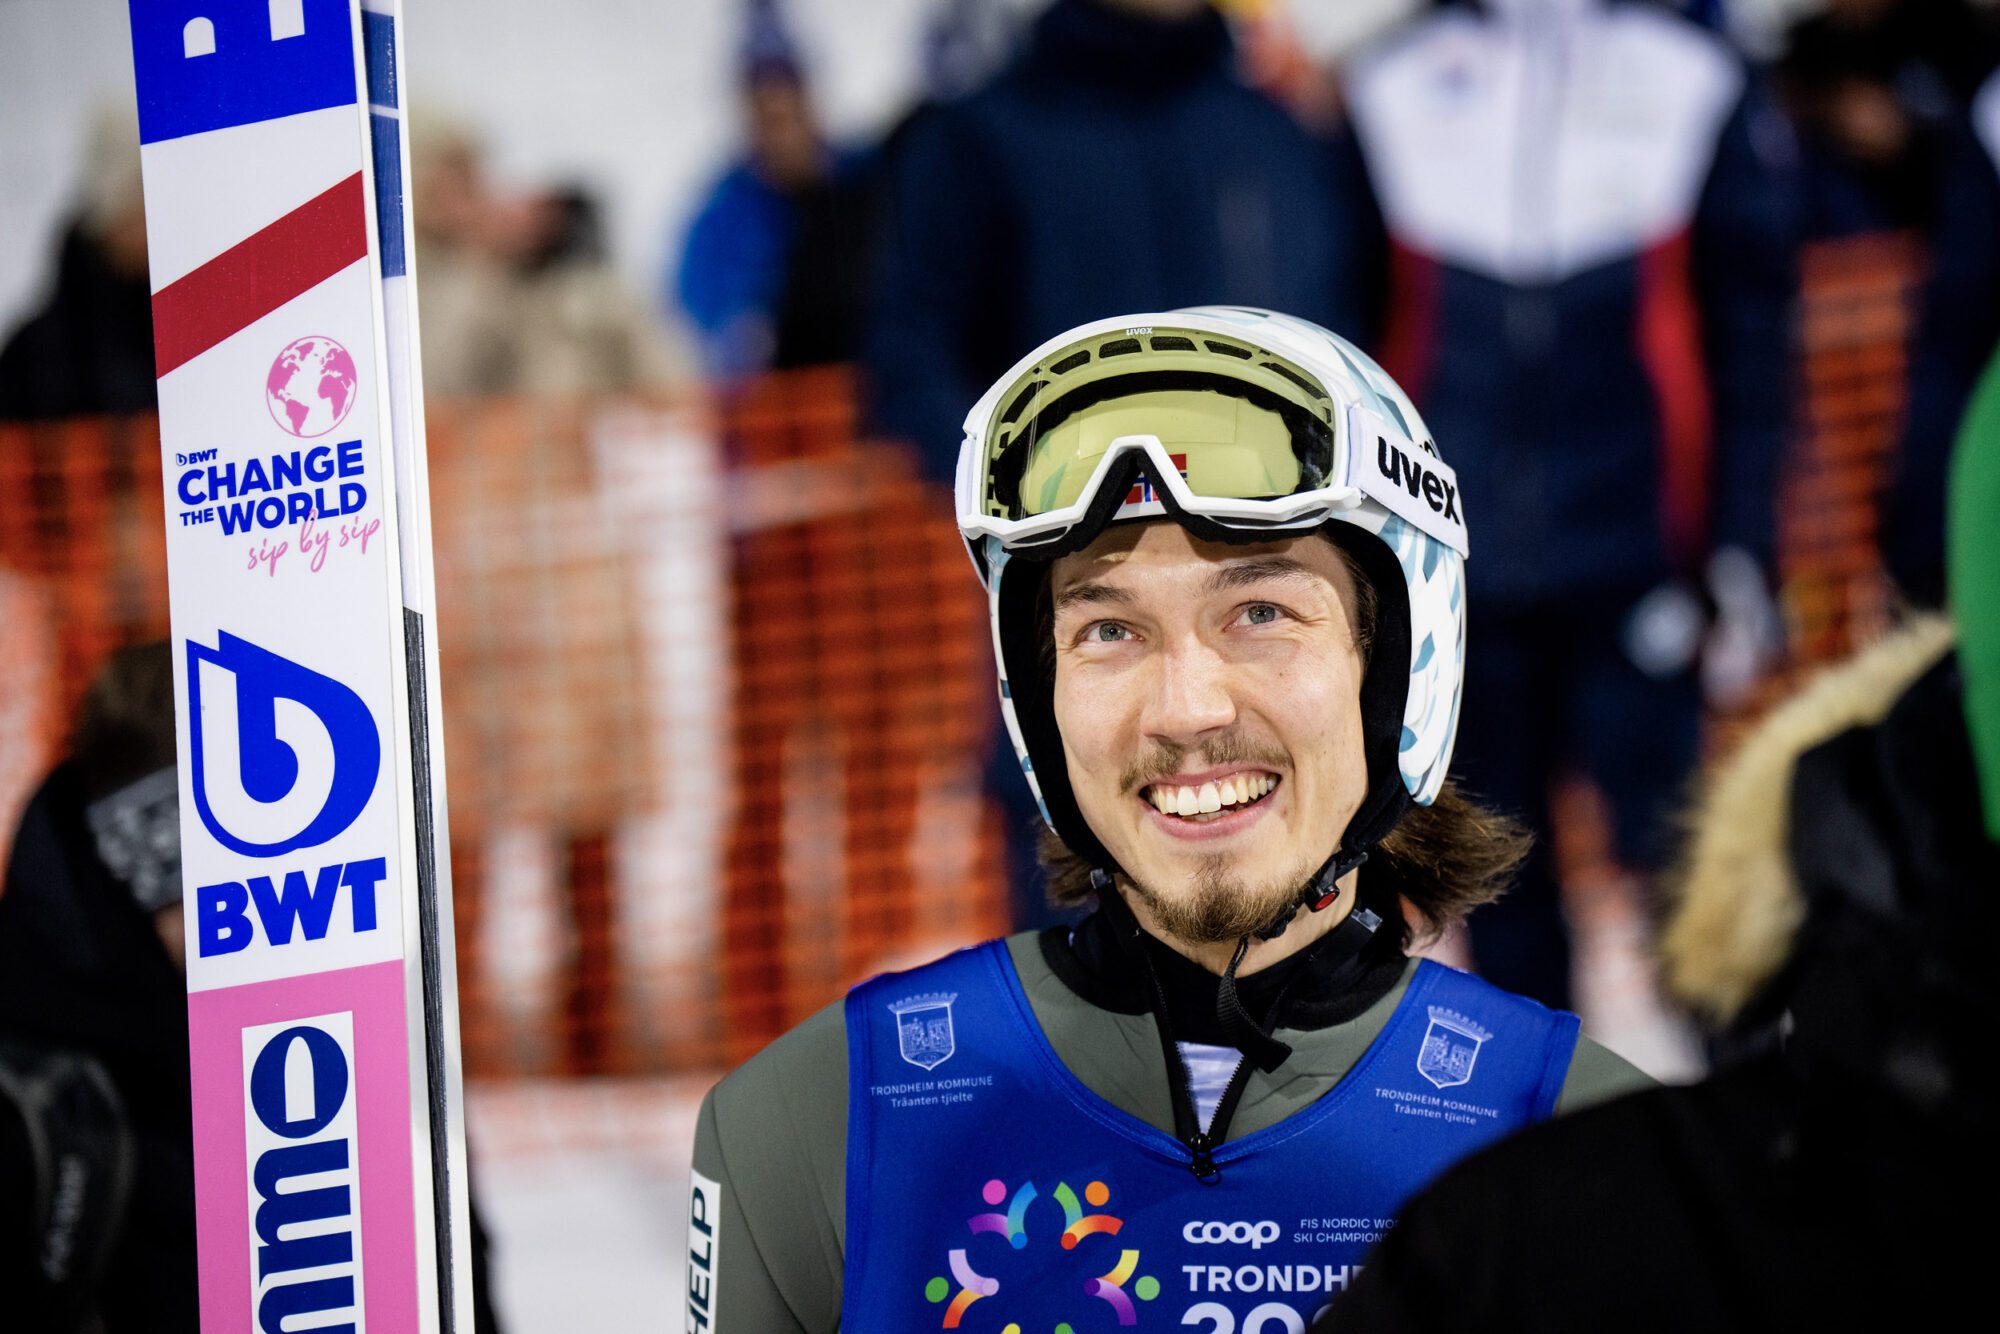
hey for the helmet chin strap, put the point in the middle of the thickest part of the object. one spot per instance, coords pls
(1339, 948)
(1318, 894)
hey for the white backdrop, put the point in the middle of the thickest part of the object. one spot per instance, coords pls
(632, 97)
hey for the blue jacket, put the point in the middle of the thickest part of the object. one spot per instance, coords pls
(1591, 240)
(732, 269)
(1117, 166)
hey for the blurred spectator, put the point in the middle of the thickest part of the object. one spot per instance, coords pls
(1820, 1182)
(90, 347)
(771, 271)
(1878, 90)
(90, 950)
(1590, 258)
(1117, 164)
(1838, 914)
(580, 329)
(93, 1032)
(516, 293)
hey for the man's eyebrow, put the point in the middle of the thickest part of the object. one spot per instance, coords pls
(1258, 569)
(1089, 594)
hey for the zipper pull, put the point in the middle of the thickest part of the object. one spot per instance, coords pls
(1202, 1150)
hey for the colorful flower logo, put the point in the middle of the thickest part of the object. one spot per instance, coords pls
(1108, 1288)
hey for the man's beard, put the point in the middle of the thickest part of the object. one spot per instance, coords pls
(1221, 905)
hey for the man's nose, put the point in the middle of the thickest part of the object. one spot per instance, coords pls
(1191, 695)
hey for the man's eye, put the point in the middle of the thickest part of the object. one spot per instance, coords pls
(1260, 613)
(1107, 632)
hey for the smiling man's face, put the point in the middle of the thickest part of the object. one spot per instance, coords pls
(1209, 699)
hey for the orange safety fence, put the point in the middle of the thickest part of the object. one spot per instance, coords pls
(715, 692)
(1856, 317)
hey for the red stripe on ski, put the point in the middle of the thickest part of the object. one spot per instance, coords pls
(258, 274)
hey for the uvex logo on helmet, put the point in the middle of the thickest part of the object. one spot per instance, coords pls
(1397, 466)
(1254, 1235)
(1405, 479)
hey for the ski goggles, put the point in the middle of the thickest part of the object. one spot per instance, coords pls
(1231, 439)
(1194, 425)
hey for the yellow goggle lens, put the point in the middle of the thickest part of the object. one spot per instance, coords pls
(1225, 446)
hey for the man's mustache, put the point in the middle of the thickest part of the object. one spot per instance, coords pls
(1164, 758)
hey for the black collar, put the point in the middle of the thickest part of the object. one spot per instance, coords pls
(1101, 963)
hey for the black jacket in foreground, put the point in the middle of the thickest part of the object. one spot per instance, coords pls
(1831, 1179)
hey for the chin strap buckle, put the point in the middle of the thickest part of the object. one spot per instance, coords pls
(1327, 882)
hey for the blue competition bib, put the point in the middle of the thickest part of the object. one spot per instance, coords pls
(989, 1191)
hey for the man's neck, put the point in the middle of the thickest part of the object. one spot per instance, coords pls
(1301, 931)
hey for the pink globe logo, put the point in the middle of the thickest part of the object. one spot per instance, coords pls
(310, 387)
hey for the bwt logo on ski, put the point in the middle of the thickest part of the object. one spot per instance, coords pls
(302, 1144)
(284, 906)
(281, 759)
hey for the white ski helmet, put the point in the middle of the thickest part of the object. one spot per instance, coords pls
(1242, 425)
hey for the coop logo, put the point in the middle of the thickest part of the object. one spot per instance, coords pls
(1254, 1235)
(283, 758)
(302, 1147)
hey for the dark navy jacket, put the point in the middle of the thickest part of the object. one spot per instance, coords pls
(1591, 242)
(1958, 328)
(1117, 166)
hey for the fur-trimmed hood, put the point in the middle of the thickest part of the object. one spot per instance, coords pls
(1736, 899)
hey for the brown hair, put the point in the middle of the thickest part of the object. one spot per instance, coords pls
(1439, 861)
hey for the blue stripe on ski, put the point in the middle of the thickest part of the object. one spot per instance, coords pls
(385, 132)
(378, 41)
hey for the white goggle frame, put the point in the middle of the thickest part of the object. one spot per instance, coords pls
(1300, 510)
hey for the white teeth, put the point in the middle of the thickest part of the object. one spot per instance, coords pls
(1238, 789)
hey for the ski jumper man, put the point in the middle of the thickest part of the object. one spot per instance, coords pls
(1226, 572)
